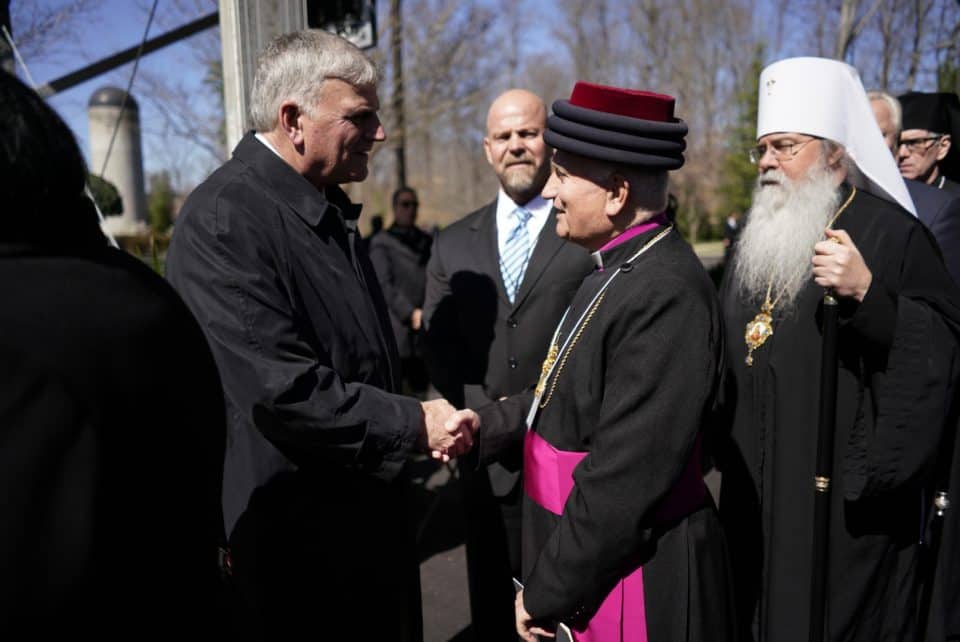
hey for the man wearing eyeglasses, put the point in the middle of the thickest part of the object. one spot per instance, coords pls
(400, 256)
(924, 151)
(830, 210)
(939, 209)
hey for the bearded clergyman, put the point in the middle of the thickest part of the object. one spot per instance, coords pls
(830, 211)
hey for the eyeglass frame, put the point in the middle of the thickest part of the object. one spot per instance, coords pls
(911, 145)
(408, 203)
(788, 153)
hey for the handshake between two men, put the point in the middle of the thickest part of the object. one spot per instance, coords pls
(448, 432)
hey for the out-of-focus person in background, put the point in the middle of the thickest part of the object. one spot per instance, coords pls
(400, 254)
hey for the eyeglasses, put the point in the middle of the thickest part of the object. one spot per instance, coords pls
(919, 145)
(408, 204)
(783, 150)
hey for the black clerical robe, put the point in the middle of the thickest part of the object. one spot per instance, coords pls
(631, 394)
(898, 350)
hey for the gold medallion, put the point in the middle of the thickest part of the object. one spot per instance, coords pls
(758, 331)
(760, 328)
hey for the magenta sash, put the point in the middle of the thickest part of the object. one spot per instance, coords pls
(548, 481)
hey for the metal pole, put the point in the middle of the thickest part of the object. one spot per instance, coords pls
(125, 56)
(7, 62)
(824, 469)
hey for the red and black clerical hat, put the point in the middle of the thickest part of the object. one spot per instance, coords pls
(624, 126)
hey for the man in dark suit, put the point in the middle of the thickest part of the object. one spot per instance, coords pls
(497, 283)
(400, 256)
(266, 255)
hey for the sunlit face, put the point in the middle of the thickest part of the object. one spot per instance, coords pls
(881, 112)
(580, 203)
(339, 132)
(795, 164)
(514, 144)
(918, 153)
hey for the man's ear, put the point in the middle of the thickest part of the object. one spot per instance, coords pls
(833, 161)
(486, 149)
(618, 191)
(944, 147)
(290, 121)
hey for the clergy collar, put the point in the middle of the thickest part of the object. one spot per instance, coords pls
(630, 233)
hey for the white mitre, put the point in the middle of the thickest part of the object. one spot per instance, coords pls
(825, 98)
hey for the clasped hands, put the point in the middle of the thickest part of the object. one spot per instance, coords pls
(448, 432)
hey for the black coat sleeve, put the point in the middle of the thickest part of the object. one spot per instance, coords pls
(231, 272)
(909, 323)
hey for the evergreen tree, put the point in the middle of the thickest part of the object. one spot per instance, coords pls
(738, 173)
(105, 195)
(160, 202)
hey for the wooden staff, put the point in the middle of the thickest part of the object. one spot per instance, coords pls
(824, 468)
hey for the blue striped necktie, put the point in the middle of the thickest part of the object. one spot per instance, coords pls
(516, 251)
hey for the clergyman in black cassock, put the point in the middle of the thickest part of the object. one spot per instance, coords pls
(485, 342)
(897, 368)
(620, 537)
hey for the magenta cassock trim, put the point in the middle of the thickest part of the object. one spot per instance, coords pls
(548, 481)
(636, 230)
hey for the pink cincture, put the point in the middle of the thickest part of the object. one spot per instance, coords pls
(548, 480)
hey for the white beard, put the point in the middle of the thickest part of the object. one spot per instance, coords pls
(775, 248)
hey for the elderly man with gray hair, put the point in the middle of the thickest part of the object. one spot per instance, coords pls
(830, 211)
(266, 256)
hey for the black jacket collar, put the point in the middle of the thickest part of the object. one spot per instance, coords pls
(288, 186)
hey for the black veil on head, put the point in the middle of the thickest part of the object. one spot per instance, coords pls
(42, 174)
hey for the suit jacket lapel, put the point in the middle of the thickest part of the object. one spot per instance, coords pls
(488, 251)
(548, 244)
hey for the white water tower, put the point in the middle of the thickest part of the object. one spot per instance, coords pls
(125, 166)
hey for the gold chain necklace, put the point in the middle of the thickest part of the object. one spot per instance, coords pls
(760, 328)
(554, 350)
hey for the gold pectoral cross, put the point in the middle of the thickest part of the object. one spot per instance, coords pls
(759, 329)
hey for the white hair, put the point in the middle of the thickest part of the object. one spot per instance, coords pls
(295, 65)
(775, 248)
(896, 111)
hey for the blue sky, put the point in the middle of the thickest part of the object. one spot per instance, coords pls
(120, 24)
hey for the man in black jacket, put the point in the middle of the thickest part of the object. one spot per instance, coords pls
(266, 255)
(489, 320)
